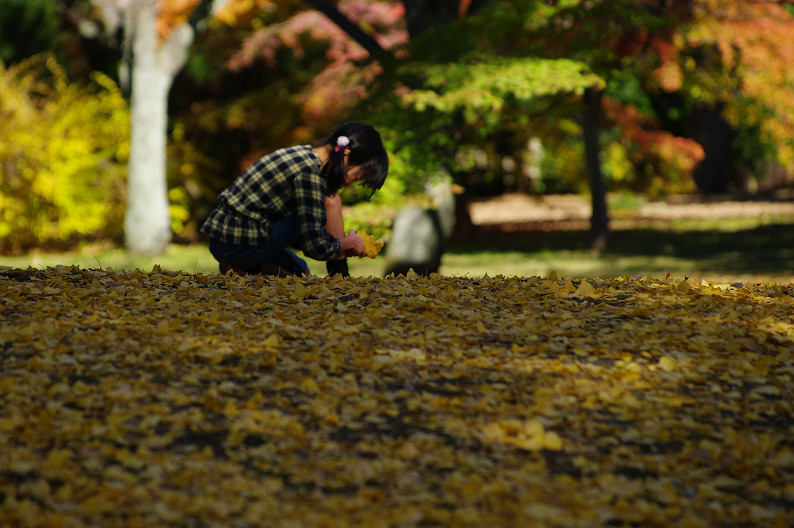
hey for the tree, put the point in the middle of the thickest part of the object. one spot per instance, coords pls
(731, 65)
(699, 91)
(586, 76)
(613, 39)
(160, 33)
(477, 100)
(591, 125)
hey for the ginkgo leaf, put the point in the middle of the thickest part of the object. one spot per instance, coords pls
(170, 399)
(585, 289)
(371, 244)
(300, 291)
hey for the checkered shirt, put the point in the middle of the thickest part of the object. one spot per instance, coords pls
(284, 183)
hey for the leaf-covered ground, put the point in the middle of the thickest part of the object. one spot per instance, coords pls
(167, 399)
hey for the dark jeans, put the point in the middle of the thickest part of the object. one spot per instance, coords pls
(286, 232)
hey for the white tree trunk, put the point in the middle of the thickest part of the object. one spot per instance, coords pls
(147, 225)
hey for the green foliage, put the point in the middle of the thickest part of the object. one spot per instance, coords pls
(486, 84)
(27, 27)
(468, 105)
(62, 160)
(472, 119)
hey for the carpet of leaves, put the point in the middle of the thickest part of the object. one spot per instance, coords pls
(166, 399)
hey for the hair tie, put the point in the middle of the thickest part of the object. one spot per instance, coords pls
(341, 142)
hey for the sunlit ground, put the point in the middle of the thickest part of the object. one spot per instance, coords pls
(688, 240)
(574, 263)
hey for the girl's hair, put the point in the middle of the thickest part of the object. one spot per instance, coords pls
(365, 150)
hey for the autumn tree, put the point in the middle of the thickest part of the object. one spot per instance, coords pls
(731, 65)
(585, 77)
(612, 38)
(722, 59)
(685, 86)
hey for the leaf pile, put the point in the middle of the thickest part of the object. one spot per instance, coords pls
(168, 399)
(371, 244)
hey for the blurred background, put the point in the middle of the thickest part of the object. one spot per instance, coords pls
(590, 137)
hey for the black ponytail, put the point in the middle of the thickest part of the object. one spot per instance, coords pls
(365, 150)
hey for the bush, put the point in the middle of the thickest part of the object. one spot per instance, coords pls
(63, 157)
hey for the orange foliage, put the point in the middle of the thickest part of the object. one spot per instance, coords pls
(241, 13)
(682, 152)
(754, 47)
(172, 14)
(755, 44)
(664, 49)
(657, 148)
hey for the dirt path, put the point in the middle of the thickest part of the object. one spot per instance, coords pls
(573, 209)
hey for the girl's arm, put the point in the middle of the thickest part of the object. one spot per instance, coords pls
(352, 245)
(310, 196)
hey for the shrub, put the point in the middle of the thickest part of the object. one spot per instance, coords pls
(62, 158)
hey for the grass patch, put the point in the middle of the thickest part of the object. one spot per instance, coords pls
(758, 253)
(742, 250)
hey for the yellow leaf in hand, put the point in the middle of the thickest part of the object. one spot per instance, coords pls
(371, 244)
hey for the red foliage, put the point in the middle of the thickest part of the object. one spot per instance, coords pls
(339, 86)
(385, 20)
(649, 145)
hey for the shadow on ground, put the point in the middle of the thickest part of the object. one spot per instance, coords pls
(765, 250)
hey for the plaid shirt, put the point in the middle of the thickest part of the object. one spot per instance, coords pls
(284, 183)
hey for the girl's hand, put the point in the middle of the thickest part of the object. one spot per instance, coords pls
(352, 245)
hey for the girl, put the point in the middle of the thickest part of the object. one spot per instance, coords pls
(290, 198)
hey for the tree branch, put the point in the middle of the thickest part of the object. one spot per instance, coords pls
(356, 33)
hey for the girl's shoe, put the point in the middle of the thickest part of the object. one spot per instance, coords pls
(337, 267)
(226, 267)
